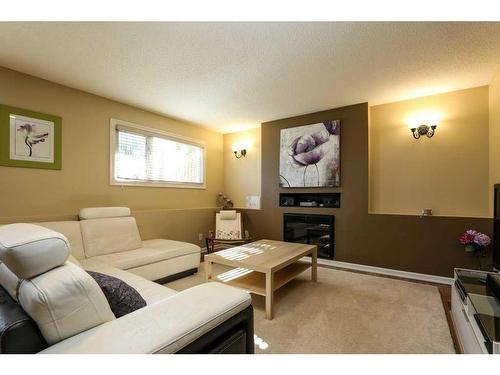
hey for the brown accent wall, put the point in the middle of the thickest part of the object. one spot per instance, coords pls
(409, 243)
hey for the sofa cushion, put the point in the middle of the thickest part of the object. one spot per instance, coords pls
(122, 298)
(109, 235)
(101, 212)
(29, 250)
(63, 302)
(150, 291)
(71, 230)
(10, 282)
(163, 327)
(168, 267)
(153, 251)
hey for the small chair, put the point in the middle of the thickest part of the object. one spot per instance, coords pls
(228, 231)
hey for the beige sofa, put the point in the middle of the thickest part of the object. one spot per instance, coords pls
(71, 312)
(108, 237)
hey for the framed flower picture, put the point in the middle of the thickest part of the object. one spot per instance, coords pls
(310, 155)
(29, 139)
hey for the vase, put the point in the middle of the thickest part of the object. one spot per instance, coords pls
(479, 261)
(470, 248)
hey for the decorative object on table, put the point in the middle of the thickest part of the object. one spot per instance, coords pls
(253, 202)
(310, 155)
(475, 243)
(220, 200)
(228, 231)
(29, 139)
(223, 202)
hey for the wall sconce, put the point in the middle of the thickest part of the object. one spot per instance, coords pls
(240, 153)
(423, 130)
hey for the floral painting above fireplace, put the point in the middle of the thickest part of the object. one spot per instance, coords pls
(310, 155)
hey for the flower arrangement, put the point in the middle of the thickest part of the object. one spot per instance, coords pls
(475, 243)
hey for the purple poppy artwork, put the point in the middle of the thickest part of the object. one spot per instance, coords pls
(310, 155)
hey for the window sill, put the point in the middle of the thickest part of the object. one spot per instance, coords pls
(170, 185)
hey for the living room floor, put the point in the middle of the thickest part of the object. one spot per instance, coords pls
(347, 312)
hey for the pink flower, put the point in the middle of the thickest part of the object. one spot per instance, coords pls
(473, 237)
(482, 239)
(466, 238)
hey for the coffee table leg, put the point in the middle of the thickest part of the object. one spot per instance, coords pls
(314, 265)
(269, 295)
(208, 269)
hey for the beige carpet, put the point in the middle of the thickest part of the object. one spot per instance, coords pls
(347, 312)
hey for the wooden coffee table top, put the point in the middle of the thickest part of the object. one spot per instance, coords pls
(262, 256)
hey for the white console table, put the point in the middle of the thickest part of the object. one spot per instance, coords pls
(475, 312)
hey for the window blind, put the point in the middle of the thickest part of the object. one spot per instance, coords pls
(145, 156)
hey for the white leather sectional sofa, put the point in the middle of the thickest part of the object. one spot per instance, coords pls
(50, 304)
(108, 236)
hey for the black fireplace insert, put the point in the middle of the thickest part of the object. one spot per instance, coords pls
(311, 229)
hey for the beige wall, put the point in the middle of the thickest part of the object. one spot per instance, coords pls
(242, 176)
(448, 173)
(28, 194)
(494, 134)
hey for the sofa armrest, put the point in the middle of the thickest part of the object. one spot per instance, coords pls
(164, 327)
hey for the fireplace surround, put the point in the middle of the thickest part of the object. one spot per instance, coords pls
(311, 229)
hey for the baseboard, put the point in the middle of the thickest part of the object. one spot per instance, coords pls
(378, 270)
(386, 271)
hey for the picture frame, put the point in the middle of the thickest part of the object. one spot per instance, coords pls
(30, 139)
(310, 155)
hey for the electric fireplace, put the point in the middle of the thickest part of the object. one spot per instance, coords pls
(311, 229)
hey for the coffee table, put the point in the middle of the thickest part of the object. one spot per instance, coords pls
(263, 266)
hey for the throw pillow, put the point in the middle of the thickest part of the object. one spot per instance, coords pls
(122, 298)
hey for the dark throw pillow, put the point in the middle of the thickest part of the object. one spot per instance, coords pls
(122, 298)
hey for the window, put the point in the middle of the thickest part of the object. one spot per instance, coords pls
(151, 157)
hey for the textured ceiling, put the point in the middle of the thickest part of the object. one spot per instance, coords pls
(230, 76)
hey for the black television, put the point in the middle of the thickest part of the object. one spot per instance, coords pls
(496, 228)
